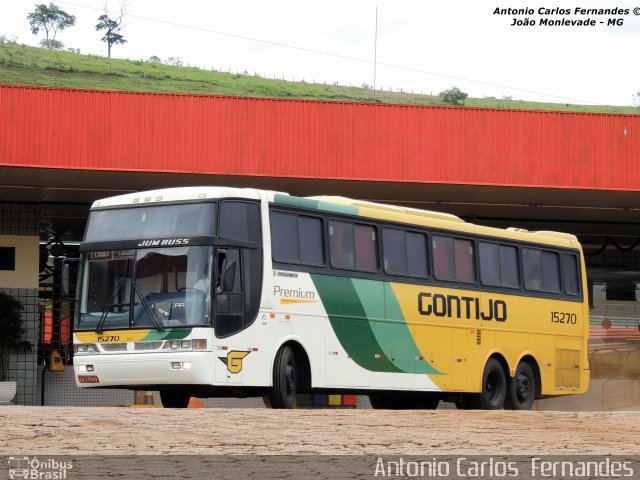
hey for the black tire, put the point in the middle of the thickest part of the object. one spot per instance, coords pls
(285, 379)
(463, 403)
(521, 390)
(494, 387)
(172, 398)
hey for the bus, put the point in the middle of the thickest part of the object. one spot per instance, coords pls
(226, 292)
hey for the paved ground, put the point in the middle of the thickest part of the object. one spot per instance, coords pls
(117, 431)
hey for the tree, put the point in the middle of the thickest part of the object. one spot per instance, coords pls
(52, 44)
(176, 62)
(11, 332)
(112, 27)
(453, 96)
(52, 20)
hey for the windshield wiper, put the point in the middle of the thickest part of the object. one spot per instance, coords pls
(147, 308)
(108, 306)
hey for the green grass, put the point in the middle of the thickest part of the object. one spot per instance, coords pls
(24, 65)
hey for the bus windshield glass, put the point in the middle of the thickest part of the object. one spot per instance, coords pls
(146, 288)
(188, 220)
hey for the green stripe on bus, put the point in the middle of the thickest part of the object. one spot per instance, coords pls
(172, 334)
(401, 335)
(350, 323)
(315, 204)
(389, 326)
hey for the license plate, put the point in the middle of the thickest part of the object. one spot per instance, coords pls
(88, 379)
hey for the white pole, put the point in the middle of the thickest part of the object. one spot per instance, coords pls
(375, 55)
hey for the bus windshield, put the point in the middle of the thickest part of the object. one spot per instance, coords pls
(188, 220)
(146, 288)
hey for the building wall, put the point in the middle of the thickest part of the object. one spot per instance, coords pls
(123, 131)
(23, 221)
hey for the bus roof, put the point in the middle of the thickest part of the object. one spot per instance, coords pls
(337, 204)
(181, 194)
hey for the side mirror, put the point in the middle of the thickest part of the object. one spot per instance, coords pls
(229, 277)
(64, 279)
(64, 275)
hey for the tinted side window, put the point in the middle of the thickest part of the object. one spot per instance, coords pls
(284, 237)
(443, 258)
(509, 268)
(395, 251)
(465, 270)
(353, 246)
(550, 271)
(541, 270)
(499, 265)
(417, 254)
(296, 238)
(405, 253)
(311, 241)
(341, 244)
(570, 273)
(453, 259)
(532, 265)
(240, 221)
(366, 251)
(489, 263)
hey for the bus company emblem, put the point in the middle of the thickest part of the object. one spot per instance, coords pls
(461, 307)
(233, 360)
(164, 242)
(294, 295)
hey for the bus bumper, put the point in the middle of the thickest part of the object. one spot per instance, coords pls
(126, 370)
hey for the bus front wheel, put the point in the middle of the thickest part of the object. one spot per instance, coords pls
(522, 389)
(494, 387)
(285, 379)
(172, 398)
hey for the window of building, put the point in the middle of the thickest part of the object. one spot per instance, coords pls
(8, 258)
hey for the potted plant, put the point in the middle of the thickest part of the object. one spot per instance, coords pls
(11, 341)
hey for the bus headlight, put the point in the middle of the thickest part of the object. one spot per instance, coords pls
(87, 348)
(197, 344)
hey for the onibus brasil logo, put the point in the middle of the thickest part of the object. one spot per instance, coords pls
(34, 468)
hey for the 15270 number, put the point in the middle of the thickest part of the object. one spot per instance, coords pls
(108, 338)
(562, 317)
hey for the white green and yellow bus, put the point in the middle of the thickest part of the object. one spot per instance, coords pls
(216, 291)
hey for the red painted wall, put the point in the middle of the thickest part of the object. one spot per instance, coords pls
(81, 129)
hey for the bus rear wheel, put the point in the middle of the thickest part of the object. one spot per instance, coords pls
(494, 387)
(522, 389)
(173, 398)
(285, 379)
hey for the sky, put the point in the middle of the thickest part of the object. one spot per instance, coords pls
(424, 46)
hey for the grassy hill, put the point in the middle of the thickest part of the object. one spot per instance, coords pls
(24, 65)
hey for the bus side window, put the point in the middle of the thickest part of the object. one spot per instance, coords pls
(570, 274)
(240, 220)
(229, 301)
(541, 270)
(453, 259)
